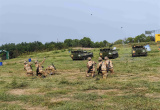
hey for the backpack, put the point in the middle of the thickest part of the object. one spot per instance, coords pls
(103, 67)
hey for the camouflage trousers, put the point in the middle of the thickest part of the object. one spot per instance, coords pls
(104, 74)
(29, 73)
(92, 73)
(42, 73)
(111, 70)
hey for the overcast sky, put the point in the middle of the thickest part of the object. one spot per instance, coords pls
(57, 20)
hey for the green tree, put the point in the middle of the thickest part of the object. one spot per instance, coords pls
(68, 42)
(120, 41)
(85, 42)
(129, 40)
(140, 38)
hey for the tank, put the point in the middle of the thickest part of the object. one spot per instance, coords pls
(139, 51)
(109, 52)
(81, 54)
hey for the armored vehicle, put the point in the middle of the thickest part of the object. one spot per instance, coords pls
(139, 51)
(80, 55)
(110, 53)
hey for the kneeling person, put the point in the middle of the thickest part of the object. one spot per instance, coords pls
(99, 65)
(109, 64)
(28, 68)
(51, 69)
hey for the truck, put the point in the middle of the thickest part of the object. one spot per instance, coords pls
(138, 50)
(81, 54)
(109, 52)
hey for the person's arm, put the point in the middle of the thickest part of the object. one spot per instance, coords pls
(43, 61)
(111, 64)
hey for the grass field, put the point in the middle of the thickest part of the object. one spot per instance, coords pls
(135, 85)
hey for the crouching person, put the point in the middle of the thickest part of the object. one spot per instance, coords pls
(109, 65)
(99, 65)
(28, 68)
(91, 67)
(51, 69)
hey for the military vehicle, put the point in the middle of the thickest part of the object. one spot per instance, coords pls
(81, 54)
(109, 52)
(139, 51)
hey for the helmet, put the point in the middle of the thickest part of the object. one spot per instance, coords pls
(89, 58)
(99, 59)
(36, 62)
(25, 62)
(106, 58)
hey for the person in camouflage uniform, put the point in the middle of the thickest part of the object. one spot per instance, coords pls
(39, 67)
(109, 64)
(91, 67)
(51, 70)
(28, 68)
(99, 65)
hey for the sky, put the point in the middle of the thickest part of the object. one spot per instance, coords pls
(57, 20)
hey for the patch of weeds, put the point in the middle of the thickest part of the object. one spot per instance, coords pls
(89, 87)
(7, 97)
(64, 81)
(10, 71)
(33, 99)
(54, 104)
(5, 106)
(2, 82)
(56, 93)
(128, 86)
(87, 97)
(14, 84)
(73, 105)
(136, 101)
(63, 50)
(56, 52)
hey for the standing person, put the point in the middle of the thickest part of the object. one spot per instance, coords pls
(39, 67)
(28, 68)
(99, 65)
(109, 64)
(91, 67)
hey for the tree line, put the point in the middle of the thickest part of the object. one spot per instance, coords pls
(25, 48)
(139, 38)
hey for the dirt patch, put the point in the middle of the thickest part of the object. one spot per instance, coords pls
(153, 78)
(154, 95)
(143, 88)
(23, 91)
(26, 106)
(59, 99)
(35, 108)
(102, 92)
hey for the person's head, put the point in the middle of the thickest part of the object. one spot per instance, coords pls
(89, 58)
(106, 58)
(25, 62)
(99, 59)
(36, 62)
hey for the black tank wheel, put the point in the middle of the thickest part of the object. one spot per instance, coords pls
(114, 56)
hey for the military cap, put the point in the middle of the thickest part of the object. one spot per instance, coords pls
(25, 62)
(89, 58)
